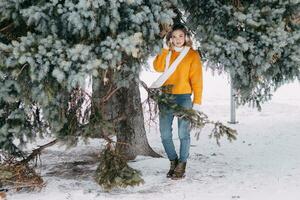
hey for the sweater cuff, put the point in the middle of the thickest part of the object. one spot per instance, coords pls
(197, 107)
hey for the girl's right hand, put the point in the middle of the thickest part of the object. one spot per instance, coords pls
(165, 44)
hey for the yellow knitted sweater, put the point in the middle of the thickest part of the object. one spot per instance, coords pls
(187, 77)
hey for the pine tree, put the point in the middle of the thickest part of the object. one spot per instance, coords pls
(49, 48)
(256, 42)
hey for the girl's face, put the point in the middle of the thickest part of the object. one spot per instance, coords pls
(178, 38)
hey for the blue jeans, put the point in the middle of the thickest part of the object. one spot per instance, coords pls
(166, 116)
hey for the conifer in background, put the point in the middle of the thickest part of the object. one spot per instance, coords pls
(256, 42)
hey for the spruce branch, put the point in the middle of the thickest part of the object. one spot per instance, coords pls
(198, 119)
(9, 26)
(113, 170)
(110, 93)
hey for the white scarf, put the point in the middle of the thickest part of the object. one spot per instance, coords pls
(169, 71)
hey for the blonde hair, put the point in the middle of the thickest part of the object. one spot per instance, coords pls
(187, 42)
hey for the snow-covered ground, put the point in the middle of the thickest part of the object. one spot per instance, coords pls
(263, 163)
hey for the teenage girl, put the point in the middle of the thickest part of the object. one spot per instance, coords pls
(182, 69)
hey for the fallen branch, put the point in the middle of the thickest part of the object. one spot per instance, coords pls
(113, 170)
(37, 152)
(17, 176)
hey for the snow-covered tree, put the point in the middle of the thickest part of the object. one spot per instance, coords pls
(256, 42)
(49, 48)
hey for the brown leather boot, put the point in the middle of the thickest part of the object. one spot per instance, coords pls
(173, 164)
(179, 171)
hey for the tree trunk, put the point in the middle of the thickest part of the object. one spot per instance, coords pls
(125, 108)
(131, 129)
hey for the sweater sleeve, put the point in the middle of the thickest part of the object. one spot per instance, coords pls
(196, 78)
(160, 61)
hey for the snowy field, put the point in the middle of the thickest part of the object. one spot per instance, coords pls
(262, 164)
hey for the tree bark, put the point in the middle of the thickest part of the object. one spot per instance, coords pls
(131, 129)
(125, 106)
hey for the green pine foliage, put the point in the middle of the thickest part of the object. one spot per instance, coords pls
(256, 42)
(114, 172)
(49, 48)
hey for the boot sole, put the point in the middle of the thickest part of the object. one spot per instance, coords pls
(178, 178)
